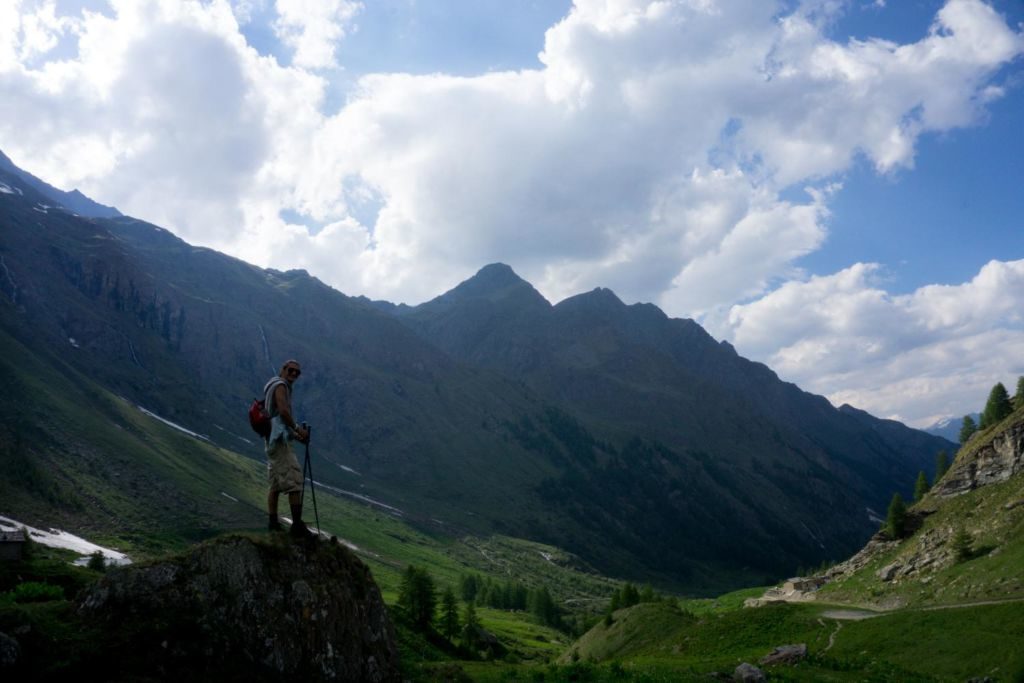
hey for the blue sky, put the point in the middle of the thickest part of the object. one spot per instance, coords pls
(831, 185)
(962, 198)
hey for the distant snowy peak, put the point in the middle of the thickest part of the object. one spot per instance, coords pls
(949, 427)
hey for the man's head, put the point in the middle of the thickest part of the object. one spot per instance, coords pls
(291, 370)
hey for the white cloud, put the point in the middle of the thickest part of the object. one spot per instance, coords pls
(919, 357)
(650, 154)
(313, 28)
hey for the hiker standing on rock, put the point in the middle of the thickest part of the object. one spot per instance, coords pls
(283, 469)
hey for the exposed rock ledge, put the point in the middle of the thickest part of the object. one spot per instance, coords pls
(996, 460)
(237, 608)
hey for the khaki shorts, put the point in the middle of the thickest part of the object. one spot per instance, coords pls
(282, 468)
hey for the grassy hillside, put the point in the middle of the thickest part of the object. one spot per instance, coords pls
(660, 642)
(927, 568)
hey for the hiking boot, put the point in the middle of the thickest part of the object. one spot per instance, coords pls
(274, 525)
(300, 530)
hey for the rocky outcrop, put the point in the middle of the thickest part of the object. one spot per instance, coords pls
(241, 608)
(748, 673)
(991, 462)
(785, 654)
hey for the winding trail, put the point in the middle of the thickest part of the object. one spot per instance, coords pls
(841, 615)
(832, 636)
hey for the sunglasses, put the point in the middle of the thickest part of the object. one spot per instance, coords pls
(293, 371)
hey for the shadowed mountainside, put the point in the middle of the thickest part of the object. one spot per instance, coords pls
(632, 439)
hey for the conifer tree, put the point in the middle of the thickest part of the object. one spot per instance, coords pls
(896, 519)
(468, 587)
(449, 614)
(416, 596)
(630, 595)
(941, 465)
(997, 407)
(961, 545)
(470, 626)
(921, 487)
(1018, 398)
(544, 608)
(968, 429)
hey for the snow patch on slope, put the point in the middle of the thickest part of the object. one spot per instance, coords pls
(173, 424)
(55, 538)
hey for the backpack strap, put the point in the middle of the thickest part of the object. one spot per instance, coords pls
(268, 395)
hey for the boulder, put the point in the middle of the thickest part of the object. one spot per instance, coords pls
(748, 673)
(887, 572)
(238, 607)
(784, 654)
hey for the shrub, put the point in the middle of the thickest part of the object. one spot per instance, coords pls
(33, 591)
(96, 562)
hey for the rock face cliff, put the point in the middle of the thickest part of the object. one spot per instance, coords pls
(237, 608)
(986, 461)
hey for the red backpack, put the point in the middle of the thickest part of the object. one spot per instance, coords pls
(259, 418)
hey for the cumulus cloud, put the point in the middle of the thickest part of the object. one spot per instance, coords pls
(917, 357)
(313, 28)
(655, 151)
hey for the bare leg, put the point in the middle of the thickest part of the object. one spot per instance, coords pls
(272, 523)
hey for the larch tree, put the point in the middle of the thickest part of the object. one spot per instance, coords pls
(896, 519)
(968, 429)
(997, 407)
(449, 614)
(941, 465)
(921, 486)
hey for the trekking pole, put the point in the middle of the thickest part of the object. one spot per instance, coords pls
(308, 466)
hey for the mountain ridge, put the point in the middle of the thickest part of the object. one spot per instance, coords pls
(632, 439)
(74, 200)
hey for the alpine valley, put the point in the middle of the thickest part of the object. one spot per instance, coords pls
(571, 445)
(632, 440)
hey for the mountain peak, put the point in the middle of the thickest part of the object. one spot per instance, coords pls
(597, 299)
(494, 282)
(496, 275)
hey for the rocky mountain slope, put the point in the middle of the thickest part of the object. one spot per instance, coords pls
(964, 540)
(633, 440)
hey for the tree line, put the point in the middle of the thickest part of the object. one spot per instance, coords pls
(426, 609)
